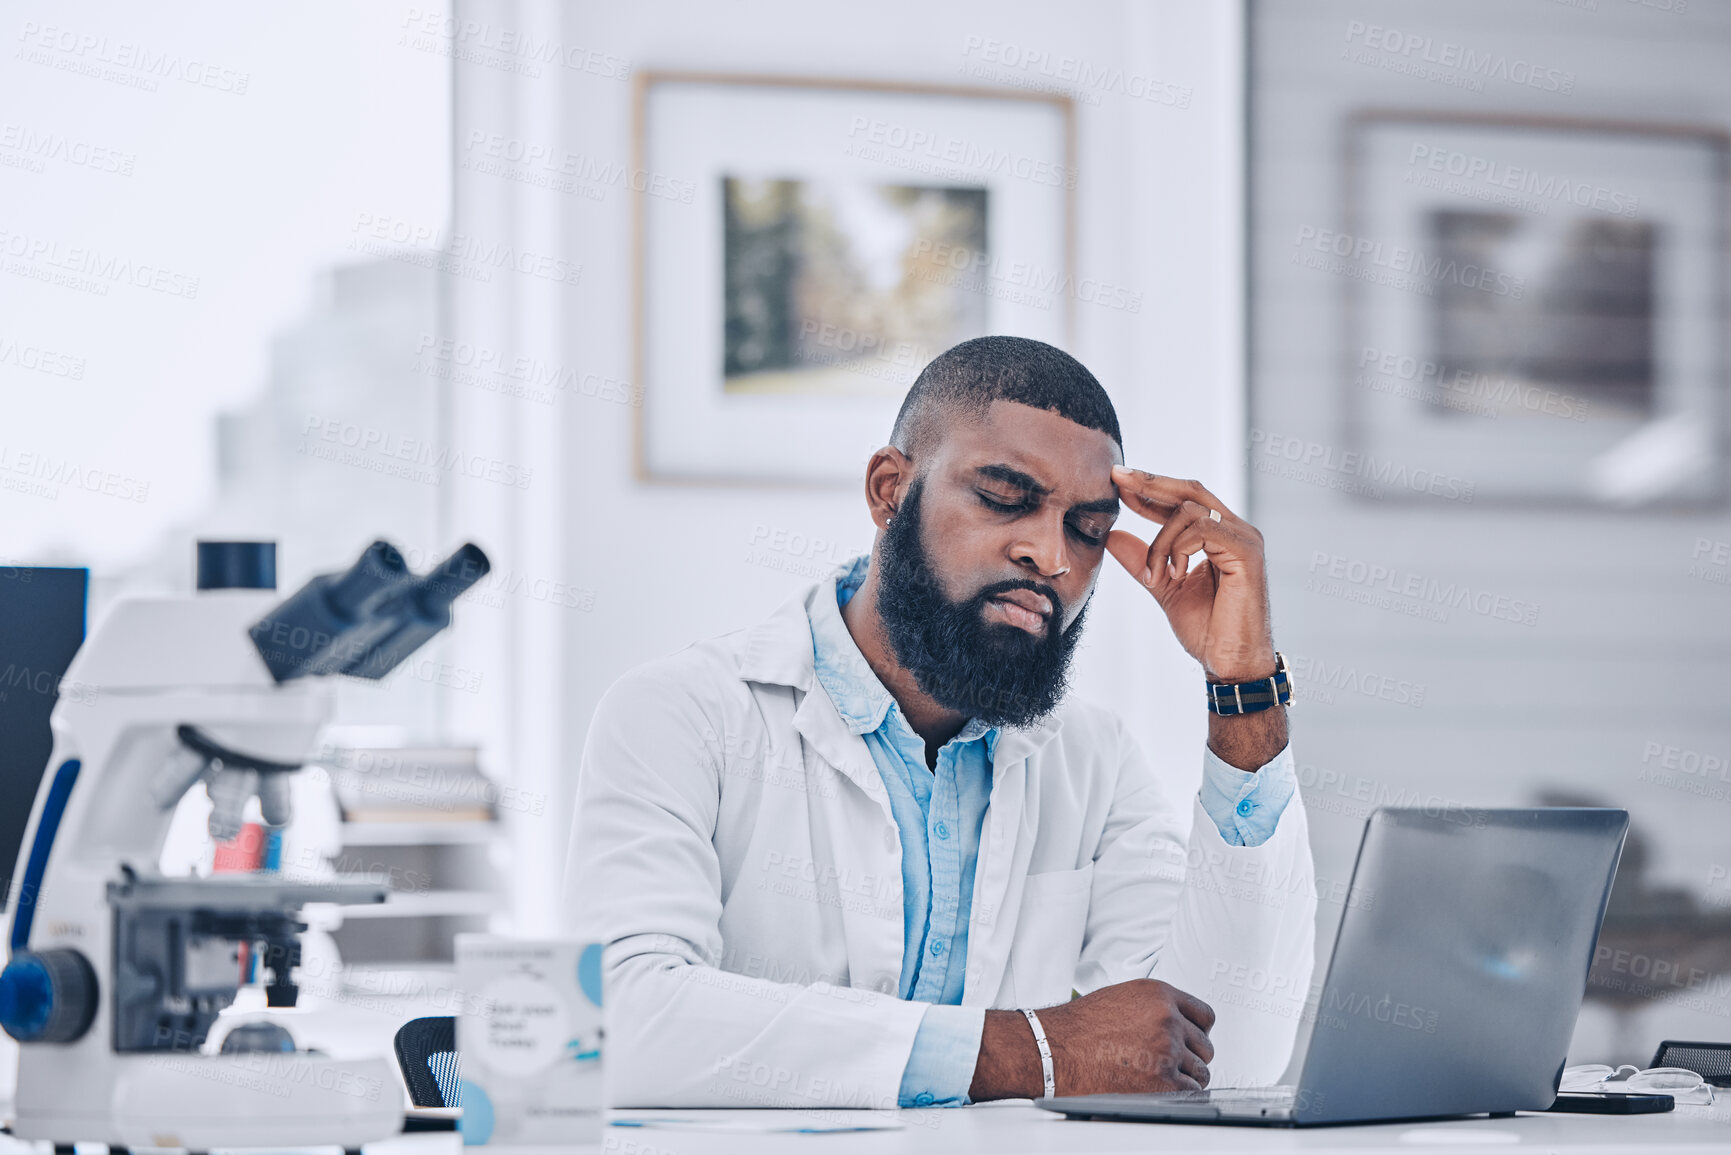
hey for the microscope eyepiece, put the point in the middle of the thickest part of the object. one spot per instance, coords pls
(401, 621)
(367, 619)
(451, 579)
(379, 568)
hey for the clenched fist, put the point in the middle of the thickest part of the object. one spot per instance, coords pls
(1143, 1035)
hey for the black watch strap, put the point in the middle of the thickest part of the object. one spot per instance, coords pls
(1251, 697)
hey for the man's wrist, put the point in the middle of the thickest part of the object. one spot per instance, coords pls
(1250, 667)
(1009, 1062)
(1248, 741)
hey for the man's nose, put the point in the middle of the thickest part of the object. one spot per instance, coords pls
(1043, 548)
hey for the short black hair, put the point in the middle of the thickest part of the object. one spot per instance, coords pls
(970, 376)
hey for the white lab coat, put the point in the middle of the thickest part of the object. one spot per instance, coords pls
(733, 846)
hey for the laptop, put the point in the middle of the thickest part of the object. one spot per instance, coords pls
(1459, 969)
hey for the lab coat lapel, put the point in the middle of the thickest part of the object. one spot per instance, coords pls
(863, 845)
(822, 727)
(859, 835)
(779, 652)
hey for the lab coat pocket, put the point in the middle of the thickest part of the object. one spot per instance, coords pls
(1049, 931)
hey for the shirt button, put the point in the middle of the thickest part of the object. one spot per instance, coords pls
(890, 841)
(886, 985)
(924, 1099)
(938, 947)
(943, 831)
(1246, 808)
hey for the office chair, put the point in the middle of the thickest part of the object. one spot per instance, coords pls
(427, 1054)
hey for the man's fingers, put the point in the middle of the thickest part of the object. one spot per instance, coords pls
(1139, 561)
(1157, 497)
(1148, 564)
(1194, 1009)
(1194, 1066)
(1130, 551)
(1199, 1042)
(1183, 526)
(1223, 541)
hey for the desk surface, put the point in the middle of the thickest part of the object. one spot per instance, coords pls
(1006, 1129)
(1025, 1130)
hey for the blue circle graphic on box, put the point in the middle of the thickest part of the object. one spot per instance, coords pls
(476, 1122)
(589, 972)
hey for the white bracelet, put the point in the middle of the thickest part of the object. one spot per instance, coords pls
(1045, 1052)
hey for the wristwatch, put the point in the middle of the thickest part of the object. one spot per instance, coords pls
(1250, 697)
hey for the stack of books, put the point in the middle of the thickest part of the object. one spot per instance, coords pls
(411, 784)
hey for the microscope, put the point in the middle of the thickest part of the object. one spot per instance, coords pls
(116, 973)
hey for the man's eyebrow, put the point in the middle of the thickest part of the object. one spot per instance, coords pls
(1010, 475)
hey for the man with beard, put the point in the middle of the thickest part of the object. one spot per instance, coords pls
(868, 853)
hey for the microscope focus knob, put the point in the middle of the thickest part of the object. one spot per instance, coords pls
(47, 996)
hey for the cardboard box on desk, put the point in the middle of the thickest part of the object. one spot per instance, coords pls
(529, 1039)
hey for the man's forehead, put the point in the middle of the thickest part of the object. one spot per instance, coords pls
(1047, 446)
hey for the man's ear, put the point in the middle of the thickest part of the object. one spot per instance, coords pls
(888, 475)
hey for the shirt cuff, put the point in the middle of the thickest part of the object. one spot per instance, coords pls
(1246, 806)
(941, 1066)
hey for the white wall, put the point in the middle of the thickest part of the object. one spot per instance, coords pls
(1158, 209)
(1629, 648)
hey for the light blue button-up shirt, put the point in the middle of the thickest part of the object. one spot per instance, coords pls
(939, 812)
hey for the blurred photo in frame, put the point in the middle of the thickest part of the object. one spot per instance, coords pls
(1535, 307)
(804, 247)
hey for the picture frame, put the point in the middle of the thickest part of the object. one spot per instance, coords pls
(801, 246)
(1533, 309)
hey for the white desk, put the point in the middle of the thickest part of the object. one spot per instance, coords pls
(1024, 1130)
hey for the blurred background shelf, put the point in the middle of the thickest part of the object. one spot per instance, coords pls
(436, 904)
(440, 833)
(422, 821)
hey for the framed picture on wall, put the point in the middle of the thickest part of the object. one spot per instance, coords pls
(804, 247)
(1535, 307)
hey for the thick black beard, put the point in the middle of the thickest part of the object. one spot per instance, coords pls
(993, 671)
